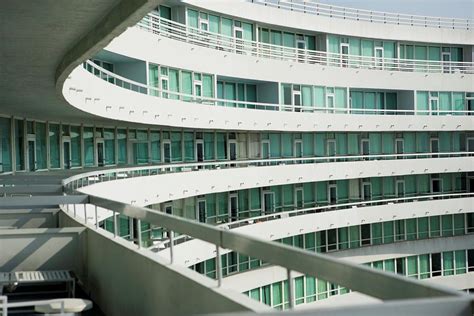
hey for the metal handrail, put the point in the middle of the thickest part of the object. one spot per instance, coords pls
(129, 84)
(319, 209)
(97, 176)
(347, 13)
(355, 277)
(177, 31)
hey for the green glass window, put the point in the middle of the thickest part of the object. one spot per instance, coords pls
(208, 146)
(226, 27)
(412, 266)
(299, 290)
(176, 151)
(319, 97)
(448, 263)
(214, 24)
(41, 155)
(423, 231)
(173, 75)
(19, 144)
(5, 145)
(424, 266)
(343, 238)
(310, 289)
(388, 233)
(122, 146)
(341, 99)
(459, 225)
(447, 225)
(354, 235)
(192, 18)
(458, 101)
(460, 261)
(435, 229)
(221, 146)
(376, 233)
(422, 102)
(186, 84)
(277, 294)
(247, 31)
(188, 146)
(333, 44)
(155, 147)
(109, 142)
(288, 39)
(367, 47)
(54, 155)
(389, 265)
(207, 86)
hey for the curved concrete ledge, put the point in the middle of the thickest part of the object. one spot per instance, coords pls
(172, 186)
(195, 251)
(93, 95)
(269, 274)
(147, 45)
(296, 20)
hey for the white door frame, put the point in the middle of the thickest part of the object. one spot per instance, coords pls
(164, 143)
(330, 186)
(196, 143)
(295, 143)
(65, 139)
(229, 142)
(379, 61)
(265, 143)
(344, 57)
(272, 194)
(198, 201)
(299, 189)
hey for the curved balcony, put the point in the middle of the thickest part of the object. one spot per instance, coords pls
(123, 99)
(436, 30)
(398, 258)
(346, 13)
(180, 32)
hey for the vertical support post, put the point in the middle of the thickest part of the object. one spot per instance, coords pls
(74, 207)
(291, 289)
(85, 213)
(96, 217)
(218, 266)
(115, 224)
(139, 233)
(170, 232)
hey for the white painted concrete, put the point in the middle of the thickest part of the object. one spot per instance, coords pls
(147, 46)
(296, 20)
(99, 97)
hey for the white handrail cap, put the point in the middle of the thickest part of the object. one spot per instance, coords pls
(71, 305)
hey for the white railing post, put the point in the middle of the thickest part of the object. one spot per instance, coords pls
(170, 232)
(139, 232)
(115, 224)
(291, 289)
(85, 213)
(96, 217)
(218, 266)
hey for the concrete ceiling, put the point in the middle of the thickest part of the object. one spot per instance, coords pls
(34, 38)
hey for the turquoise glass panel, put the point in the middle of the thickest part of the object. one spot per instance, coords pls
(41, 154)
(88, 139)
(54, 153)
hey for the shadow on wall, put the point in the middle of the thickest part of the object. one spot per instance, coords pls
(41, 249)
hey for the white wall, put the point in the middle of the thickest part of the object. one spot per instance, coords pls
(99, 97)
(144, 45)
(302, 21)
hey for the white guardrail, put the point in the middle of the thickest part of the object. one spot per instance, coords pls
(355, 277)
(168, 94)
(177, 31)
(346, 13)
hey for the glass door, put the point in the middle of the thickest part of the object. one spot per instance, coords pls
(332, 194)
(265, 149)
(434, 103)
(166, 151)
(101, 154)
(434, 146)
(344, 55)
(301, 47)
(436, 185)
(400, 188)
(299, 202)
(201, 210)
(330, 102)
(232, 150)
(31, 154)
(297, 98)
(365, 147)
(331, 149)
(268, 202)
(366, 191)
(233, 207)
(399, 147)
(67, 154)
(199, 150)
(379, 57)
(470, 145)
(238, 35)
(446, 61)
(298, 148)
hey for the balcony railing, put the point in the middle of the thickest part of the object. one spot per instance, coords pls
(332, 11)
(168, 94)
(84, 179)
(177, 31)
